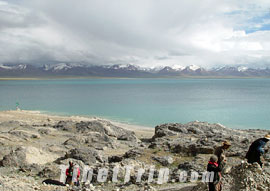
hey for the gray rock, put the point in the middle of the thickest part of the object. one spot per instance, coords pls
(128, 137)
(133, 153)
(25, 156)
(163, 131)
(65, 126)
(24, 134)
(91, 139)
(44, 131)
(243, 177)
(106, 128)
(115, 159)
(94, 126)
(15, 158)
(165, 160)
(51, 171)
(201, 138)
(88, 156)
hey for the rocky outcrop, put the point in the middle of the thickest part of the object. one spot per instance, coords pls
(201, 137)
(65, 126)
(244, 177)
(88, 156)
(91, 139)
(106, 128)
(100, 127)
(252, 177)
(100, 144)
(26, 156)
(15, 158)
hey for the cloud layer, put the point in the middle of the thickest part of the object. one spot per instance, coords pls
(143, 32)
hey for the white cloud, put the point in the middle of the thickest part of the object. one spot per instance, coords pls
(207, 33)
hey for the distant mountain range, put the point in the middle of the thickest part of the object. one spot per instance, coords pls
(128, 70)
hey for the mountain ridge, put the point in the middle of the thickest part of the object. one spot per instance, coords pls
(126, 70)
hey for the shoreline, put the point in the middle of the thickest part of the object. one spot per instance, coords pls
(129, 78)
(31, 116)
(126, 125)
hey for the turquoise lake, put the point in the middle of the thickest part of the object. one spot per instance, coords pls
(235, 103)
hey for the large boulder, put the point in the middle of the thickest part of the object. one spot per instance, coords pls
(14, 158)
(26, 156)
(105, 128)
(91, 139)
(163, 131)
(89, 156)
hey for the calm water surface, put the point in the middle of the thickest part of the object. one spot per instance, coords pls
(236, 103)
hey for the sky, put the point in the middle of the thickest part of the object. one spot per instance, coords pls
(148, 33)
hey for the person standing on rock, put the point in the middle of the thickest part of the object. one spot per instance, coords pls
(213, 166)
(220, 151)
(69, 174)
(256, 150)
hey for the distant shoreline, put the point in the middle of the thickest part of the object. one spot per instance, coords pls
(128, 78)
(30, 116)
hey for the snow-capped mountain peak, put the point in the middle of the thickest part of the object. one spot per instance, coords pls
(242, 68)
(128, 70)
(167, 68)
(11, 67)
(124, 66)
(177, 67)
(193, 67)
(5, 67)
(46, 67)
(21, 66)
(61, 66)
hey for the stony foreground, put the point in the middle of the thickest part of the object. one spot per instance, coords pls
(33, 150)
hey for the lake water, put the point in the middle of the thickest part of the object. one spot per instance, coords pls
(236, 103)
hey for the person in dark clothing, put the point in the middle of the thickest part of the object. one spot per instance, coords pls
(213, 166)
(256, 150)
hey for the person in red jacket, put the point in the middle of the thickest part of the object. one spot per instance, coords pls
(213, 166)
(69, 174)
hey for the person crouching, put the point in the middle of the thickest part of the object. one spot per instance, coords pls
(256, 150)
